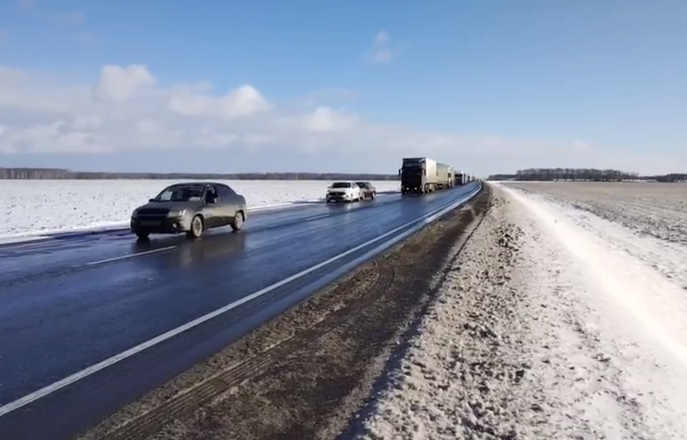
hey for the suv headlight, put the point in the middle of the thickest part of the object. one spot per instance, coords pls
(179, 213)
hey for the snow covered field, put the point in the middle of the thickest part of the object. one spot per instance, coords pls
(43, 206)
(554, 323)
(654, 209)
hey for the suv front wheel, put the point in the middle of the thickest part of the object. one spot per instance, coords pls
(197, 227)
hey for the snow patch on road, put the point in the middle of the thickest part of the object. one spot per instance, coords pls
(545, 328)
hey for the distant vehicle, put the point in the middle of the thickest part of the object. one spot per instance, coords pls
(420, 175)
(368, 190)
(191, 207)
(444, 176)
(343, 191)
(462, 178)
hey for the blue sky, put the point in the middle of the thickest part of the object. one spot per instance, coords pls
(488, 86)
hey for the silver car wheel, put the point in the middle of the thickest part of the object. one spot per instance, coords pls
(197, 226)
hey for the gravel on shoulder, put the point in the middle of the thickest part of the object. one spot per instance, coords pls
(305, 374)
(526, 341)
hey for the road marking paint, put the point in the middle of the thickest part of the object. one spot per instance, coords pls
(124, 257)
(282, 206)
(317, 217)
(49, 389)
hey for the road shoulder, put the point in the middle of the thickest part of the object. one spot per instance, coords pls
(306, 373)
(531, 337)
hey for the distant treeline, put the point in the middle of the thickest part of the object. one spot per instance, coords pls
(584, 174)
(58, 173)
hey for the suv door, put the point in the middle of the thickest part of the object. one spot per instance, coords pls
(229, 202)
(212, 211)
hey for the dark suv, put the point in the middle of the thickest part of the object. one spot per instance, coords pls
(191, 207)
(367, 190)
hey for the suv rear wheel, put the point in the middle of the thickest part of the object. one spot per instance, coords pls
(237, 223)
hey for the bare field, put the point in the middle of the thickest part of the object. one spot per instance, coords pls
(651, 209)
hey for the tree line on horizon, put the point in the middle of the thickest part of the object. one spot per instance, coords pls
(60, 173)
(584, 175)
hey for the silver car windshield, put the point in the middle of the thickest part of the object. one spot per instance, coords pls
(341, 185)
(179, 193)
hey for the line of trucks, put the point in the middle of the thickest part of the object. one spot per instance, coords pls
(420, 175)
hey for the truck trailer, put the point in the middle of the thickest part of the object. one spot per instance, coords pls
(444, 178)
(419, 175)
(461, 178)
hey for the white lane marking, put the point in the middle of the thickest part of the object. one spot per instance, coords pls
(316, 217)
(49, 389)
(282, 206)
(354, 209)
(124, 257)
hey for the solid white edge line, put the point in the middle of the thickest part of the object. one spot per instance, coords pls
(125, 257)
(434, 215)
(49, 389)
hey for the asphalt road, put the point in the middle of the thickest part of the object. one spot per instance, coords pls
(71, 303)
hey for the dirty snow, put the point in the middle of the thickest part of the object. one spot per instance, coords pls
(30, 207)
(553, 323)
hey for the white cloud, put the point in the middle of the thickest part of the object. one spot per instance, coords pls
(382, 49)
(244, 101)
(324, 120)
(126, 109)
(86, 122)
(122, 84)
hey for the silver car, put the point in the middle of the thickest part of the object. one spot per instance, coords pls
(191, 207)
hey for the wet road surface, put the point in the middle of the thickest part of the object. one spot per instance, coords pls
(68, 304)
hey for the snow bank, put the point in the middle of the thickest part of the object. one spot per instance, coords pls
(39, 207)
(546, 328)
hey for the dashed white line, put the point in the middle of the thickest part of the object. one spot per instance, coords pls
(316, 217)
(124, 257)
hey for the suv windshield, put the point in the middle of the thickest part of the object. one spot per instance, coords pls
(341, 185)
(180, 193)
(362, 184)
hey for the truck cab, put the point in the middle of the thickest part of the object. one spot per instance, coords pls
(418, 175)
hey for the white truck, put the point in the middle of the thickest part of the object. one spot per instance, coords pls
(419, 175)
